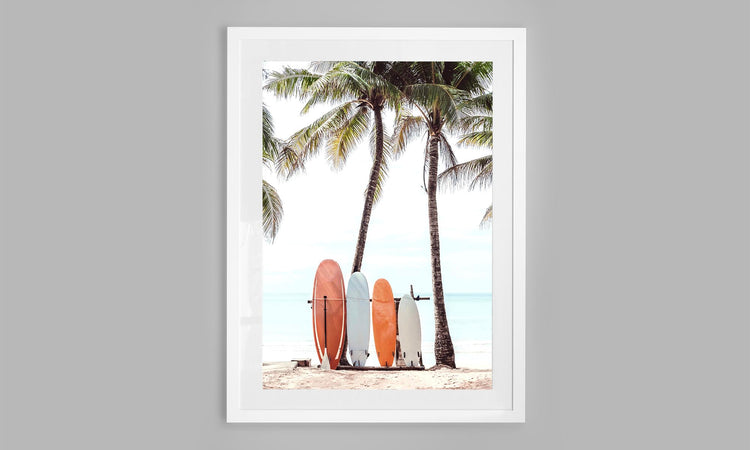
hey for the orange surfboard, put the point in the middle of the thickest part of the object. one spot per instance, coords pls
(329, 312)
(384, 322)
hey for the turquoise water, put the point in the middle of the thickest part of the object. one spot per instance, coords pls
(287, 328)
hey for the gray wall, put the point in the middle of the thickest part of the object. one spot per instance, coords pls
(113, 223)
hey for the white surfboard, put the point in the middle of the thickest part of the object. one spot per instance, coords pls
(358, 319)
(410, 331)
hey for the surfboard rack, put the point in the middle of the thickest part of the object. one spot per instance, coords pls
(395, 299)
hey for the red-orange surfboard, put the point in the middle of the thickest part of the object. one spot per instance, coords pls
(329, 312)
(384, 322)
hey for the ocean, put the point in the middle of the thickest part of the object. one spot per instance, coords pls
(287, 329)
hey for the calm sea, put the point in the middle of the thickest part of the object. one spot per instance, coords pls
(287, 329)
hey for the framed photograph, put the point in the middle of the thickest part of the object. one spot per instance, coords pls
(376, 225)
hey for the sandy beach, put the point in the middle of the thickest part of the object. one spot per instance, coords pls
(286, 376)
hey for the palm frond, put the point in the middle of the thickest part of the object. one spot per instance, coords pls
(483, 179)
(479, 104)
(476, 124)
(472, 76)
(402, 73)
(407, 127)
(444, 99)
(487, 218)
(345, 138)
(290, 82)
(273, 211)
(385, 161)
(380, 181)
(477, 139)
(346, 80)
(322, 66)
(270, 142)
(289, 162)
(446, 152)
(335, 85)
(468, 123)
(277, 155)
(476, 115)
(476, 173)
(428, 71)
(381, 89)
(308, 141)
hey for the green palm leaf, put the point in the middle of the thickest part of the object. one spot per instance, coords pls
(322, 66)
(290, 82)
(473, 174)
(479, 104)
(446, 152)
(334, 86)
(477, 139)
(487, 218)
(272, 211)
(469, 123)
(346, 80)
(437, 98)
(308, 141)
(472, 76)
(476, 119)
(383, 173)
(344, 139)
(270, 143)
(289, 162)
(428, 71)
(380, 89)
(408, 127)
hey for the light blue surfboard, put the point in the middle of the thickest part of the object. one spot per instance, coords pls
(358, 319)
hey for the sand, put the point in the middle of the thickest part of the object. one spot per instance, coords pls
(287, 376)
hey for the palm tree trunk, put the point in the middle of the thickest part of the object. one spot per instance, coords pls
(444, 353)
(370, 194)
(367, 210)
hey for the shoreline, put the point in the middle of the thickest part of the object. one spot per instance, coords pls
(286, 375)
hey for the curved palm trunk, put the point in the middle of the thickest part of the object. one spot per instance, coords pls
(444, 353)
(367, 210)
(370, 194)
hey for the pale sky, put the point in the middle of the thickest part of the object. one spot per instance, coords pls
(323, 209)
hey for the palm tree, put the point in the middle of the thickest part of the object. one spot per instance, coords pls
(477, 128)
(437, 92)
(357, 90)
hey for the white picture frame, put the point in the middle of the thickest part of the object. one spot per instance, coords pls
(247, 48)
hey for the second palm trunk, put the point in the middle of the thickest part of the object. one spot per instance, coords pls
(444, 353)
